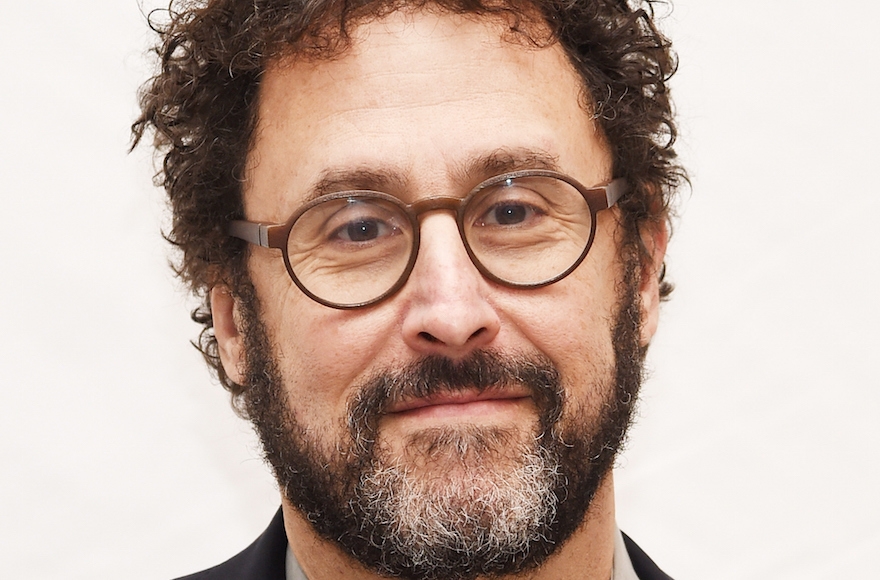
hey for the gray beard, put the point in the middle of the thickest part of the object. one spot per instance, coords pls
(478, 499)
(462, 502)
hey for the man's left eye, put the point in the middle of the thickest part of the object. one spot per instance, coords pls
(508, 214)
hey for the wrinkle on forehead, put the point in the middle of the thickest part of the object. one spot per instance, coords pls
(522, 26)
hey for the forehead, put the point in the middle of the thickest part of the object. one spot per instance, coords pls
(419, 102)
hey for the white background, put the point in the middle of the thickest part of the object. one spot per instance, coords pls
(756, 453)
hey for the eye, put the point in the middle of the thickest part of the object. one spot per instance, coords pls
(363, 230)
(509, 207)
(508, 214)
(362, 222)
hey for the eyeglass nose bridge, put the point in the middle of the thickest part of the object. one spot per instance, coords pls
(435, 203)
(440, 203)
(455, 205)
(431, 204)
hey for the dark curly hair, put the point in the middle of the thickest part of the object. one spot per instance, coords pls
(202, 103)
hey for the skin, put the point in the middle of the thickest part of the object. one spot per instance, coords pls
(421, 99)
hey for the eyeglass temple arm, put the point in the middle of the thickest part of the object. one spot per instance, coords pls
(261, 234)
(614, 191)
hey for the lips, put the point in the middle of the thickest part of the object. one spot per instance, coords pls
(460, 402)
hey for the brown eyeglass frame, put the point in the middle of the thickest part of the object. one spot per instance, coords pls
(273, 235)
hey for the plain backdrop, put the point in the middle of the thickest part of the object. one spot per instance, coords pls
(756, 451)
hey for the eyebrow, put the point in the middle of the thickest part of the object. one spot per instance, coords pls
(471, 172)
(505, 160)
(373, 178)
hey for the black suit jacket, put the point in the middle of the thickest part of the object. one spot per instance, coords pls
(265, 559)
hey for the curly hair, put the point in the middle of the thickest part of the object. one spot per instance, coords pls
(201, 106)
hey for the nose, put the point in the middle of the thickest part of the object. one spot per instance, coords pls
(447, 312)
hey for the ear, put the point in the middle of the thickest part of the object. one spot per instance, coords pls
(227, 330)
(654, 239)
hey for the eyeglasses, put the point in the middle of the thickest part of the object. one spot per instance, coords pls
(523, 229)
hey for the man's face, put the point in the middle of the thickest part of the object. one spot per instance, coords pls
(455, 387)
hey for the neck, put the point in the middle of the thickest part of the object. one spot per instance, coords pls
(587, 555)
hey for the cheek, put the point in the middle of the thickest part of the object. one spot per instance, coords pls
(568, 326)
(321, 353)
(572, 323)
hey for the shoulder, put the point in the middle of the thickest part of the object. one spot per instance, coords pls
(643, 565)
(263, 559)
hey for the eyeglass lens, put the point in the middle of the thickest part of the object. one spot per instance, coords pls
(522, 231)
(350, 250)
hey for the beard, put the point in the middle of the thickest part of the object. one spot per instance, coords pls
(455, 502)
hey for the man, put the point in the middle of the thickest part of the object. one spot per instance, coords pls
(429, 238)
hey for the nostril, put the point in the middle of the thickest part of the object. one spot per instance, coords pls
(427, 336)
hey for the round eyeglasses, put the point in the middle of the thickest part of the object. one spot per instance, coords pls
(523, 229)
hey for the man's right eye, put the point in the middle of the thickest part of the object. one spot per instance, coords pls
(362, 230)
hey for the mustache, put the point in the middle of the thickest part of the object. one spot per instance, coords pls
(434, 375)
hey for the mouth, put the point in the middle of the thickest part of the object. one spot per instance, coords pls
(458, 404)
